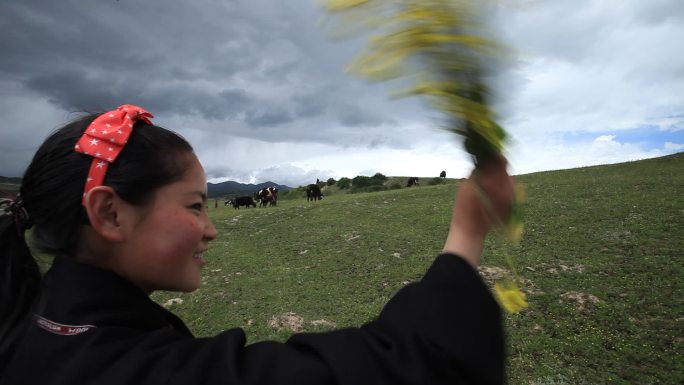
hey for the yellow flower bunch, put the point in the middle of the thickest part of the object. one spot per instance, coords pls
(441, 48)
(510, 296)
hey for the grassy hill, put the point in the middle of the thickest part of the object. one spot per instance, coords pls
(601, 259)
(391, 183)
(9, 185)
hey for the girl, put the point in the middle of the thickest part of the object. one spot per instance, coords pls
(121, 204)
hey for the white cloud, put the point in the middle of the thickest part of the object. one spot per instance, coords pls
(605, 138)
(269, 162)
(544, 155)
(671, 123)
(589, 66)
(669, 146)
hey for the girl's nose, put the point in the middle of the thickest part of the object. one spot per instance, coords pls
(210, 230)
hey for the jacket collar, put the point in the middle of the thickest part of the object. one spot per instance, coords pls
(79, 294)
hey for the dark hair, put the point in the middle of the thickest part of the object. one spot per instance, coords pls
(51, 190)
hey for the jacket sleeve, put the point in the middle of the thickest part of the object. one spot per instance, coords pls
(445, 329)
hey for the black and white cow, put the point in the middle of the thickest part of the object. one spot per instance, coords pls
(313, 192)
(241, 201)
(267, 196)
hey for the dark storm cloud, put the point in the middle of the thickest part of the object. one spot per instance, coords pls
(214, 62)
(85, 57)
(269, 117)
(78, 91)
(657, 12)
(354, 116)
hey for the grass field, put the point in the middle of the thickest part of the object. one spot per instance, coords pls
(601, 260)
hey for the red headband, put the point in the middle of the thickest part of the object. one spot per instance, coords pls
(104, 139)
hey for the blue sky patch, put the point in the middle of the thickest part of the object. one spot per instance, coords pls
(648, 137)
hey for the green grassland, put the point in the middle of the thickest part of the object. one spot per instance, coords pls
(9, 187)
(601, 262)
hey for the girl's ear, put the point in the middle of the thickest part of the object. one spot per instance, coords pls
(103, 207)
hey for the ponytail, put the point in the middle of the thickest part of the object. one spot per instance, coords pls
(19, 273)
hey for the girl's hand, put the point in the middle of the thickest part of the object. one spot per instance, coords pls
(483, 202)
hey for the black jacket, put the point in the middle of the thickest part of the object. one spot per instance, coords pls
(93, 327)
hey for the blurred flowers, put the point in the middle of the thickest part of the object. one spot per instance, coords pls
(510, 296)
(442, 48)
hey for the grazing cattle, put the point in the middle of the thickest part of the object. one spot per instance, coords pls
(442, 174)
(274, 195)
(413, 181)
(241, 201)
(267, 196)
(313, 192)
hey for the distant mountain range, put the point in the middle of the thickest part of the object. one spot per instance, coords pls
(231, 188)
(10, 180)
(223, 189)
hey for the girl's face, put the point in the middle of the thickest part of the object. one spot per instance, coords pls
(164, 250)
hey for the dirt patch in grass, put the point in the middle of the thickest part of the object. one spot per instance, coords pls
(492, 274)
(582, 301)
(323, 323)
(292, 322)
(172, 302)
(288, 321)
(351, 236)
(574, 269)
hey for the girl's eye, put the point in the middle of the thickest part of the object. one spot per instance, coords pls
(197, 206)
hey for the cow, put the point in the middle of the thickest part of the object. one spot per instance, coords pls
(274, 195)
(267, 196)
(413, 181)
(313, 192)
(442, 174)
(245, 200)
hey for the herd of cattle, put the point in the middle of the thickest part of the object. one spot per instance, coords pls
(266, 197)
(269, 196)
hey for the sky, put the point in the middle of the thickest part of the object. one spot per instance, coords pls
(261, 91)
